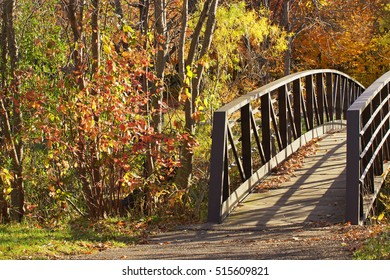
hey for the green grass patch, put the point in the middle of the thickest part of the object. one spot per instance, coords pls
(31, 241)
(377, 248)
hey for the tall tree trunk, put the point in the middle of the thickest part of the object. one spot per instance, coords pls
(183, 176)
(89, 174)
(285, 22)
(209, 11)
(117, 4)
(4, 217)
(161, 44)
(95, 46)
(161, 59)
(208, 36)
(144, 16)
(97, 178)
(75, 13)
(182, 41)
(11, 111)
(149, 165)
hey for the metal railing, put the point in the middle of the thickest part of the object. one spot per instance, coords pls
(367, 148)
(255, 132)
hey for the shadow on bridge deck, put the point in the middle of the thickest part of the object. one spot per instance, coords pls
(315, 196)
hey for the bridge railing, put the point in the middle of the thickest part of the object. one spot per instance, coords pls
(255, 132)
(367, 148)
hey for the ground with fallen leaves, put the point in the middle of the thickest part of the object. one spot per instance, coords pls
(336, 242)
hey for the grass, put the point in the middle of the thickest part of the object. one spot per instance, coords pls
(377, 248)
(31, 241)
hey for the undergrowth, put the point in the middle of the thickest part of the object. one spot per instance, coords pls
(378, 247)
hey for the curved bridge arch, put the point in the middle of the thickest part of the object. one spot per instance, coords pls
(257, 131)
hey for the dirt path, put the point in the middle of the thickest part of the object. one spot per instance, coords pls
(335, 242)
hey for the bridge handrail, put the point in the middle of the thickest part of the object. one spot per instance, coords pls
(319, 97)
(241, 101)
(368, 133)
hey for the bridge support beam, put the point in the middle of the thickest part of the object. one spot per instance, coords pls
(353, 200)
(219, 176)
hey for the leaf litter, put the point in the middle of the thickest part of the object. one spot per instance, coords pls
(286, 169)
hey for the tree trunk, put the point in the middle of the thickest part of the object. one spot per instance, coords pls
(149, 165)
(144, 16)
(285, 22)
(90, 174)
(4, 218)
(95, 46)
(210, 8)
(11, 111)
(75, 12)
(161, 59)
(161, 42)
(182, 41)
(118, 8)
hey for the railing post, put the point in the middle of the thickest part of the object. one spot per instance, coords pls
(344, 90)
(217, 167)
(329, 96)
(246, 140)
(309, 101)
(297, 96)
(338, 97)
(320, 97)
(353, 205)
(283, 123)
(350, 93)
(266, 125)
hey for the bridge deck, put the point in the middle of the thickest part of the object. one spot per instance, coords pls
(315, 195)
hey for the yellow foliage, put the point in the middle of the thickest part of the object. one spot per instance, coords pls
(6, 178)
(244, 41)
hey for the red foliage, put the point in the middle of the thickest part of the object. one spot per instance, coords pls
(102, 132)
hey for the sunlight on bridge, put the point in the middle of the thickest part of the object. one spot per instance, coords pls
(314, 196)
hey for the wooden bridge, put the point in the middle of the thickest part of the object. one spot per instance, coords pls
(256, 132)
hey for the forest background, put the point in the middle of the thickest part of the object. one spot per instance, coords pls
(106, 105)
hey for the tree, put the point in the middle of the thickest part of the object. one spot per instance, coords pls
(296, 17)
(342, 39)
(191, 71)
(245, 53)
(11, 111)
(100, 127)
